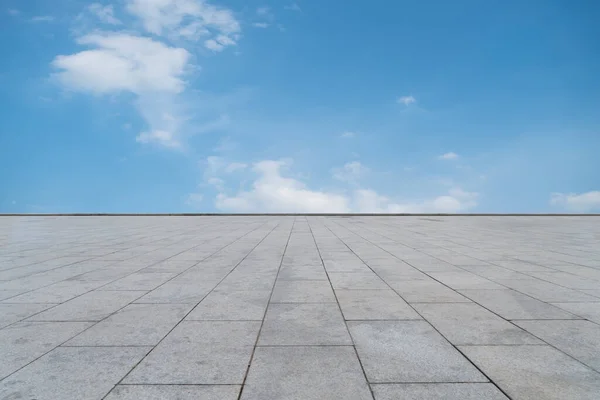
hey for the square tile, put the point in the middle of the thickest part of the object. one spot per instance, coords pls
(374, 304)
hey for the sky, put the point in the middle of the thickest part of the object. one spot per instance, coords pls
(392, 106)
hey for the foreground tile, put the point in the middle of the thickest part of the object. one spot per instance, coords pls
(427, 291)
(514, 305)
(356, 281)
(11, 313)
(302, 292)
(177, 293)
(200, 352)
(134, 325)
(580, 339)
(174, 392)
(437, 391)
(23, 342)
(240, 305)
(374, 304)
(409, 351)
(306, 373)
(140, 281)
(589, 311)
(82, 373)
(92, 306)
(304, 324)
(469, 323)
(535, 372)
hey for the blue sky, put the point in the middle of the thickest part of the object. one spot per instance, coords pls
(306, 106)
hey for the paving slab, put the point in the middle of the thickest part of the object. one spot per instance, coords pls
(92, 306)
(23, 342)
(174, 392)
(83, 373)
(427, 291)
(238, 305)
(374, 304)
(409, 351)
(134, 325)
(589, 311)
(580, 339)
(302, 292)
(199, 352)
(356, 281)
(535, 372)
(437, 391)
(11, 313)
(510, 304)
(469, 323)
(304, 324)
(306, 373)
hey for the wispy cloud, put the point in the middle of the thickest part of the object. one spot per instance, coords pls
(351, 172)
(148, 65)
(582, 202)
(260, 25)
(448, 156)
(13, 12)
(293, 7)
(406, 100)
(348, 135)
(42, 18)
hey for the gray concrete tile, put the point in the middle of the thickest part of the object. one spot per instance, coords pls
(140, 281)
(437, 391)
(199, 352)
(174, 392)
(11, 313)
(356, 281)
(302, 292)
(134, 325)
(546, 291)
(580, 339)
(246, 305)
(427, 291)
(178, 293)
(374, 304)
(23, 342)
(302, 273)
(409, 351)
(92, 306)
(83, 373)
(469, 323)
(304, 324)
(306, 373)
(56, 293)
(535, 372)
(464, 280)
(589, 311)
(514, 305)
(345, 265)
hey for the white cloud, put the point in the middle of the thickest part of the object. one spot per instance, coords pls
(448, 156)
(406, 100)
(13, 12)
(105, 14)
(235, 166)
(263, 11)
(188, 19)
(293, 7)
(42, 18)
(123, 62)
(194, 199)
(351, 172)
(347, 135)
(260, 25)
(163, 138)
(271, 191)
(584, 202)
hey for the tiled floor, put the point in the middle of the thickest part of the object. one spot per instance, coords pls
(297, 307)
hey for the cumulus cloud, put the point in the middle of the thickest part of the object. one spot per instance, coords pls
(583, 202)
(448, 156)
(188, 19)
(351, 172)
(145, 65)
(272, 191)
(104, 13)
(406, 100)
(120, 62)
